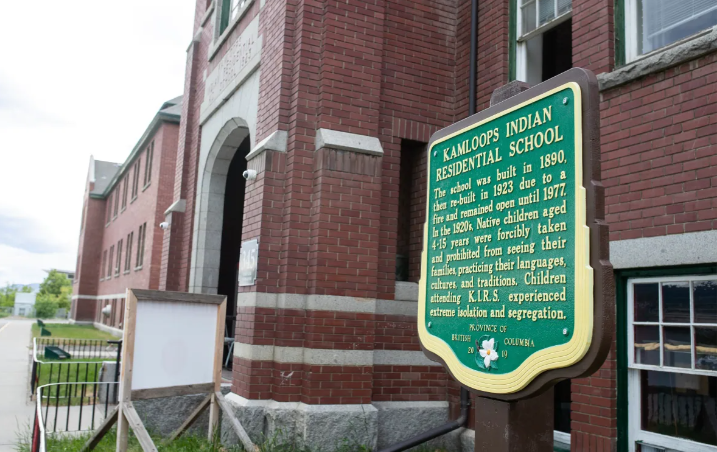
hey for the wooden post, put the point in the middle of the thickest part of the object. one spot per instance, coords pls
(525, 425)
(125, 381)
(219, 346)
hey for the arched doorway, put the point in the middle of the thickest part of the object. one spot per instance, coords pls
(219, 213)
(232, 233)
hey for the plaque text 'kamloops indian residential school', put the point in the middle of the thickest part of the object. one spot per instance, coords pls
(506, 289)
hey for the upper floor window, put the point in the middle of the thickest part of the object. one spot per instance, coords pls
(119, 258)
(109, 262)
(141, 235)
(125, 185)
(544, 46)
(117, 199)
(652, 24)
(104, 265)
(128, 254)
(230, 11)
(109, 209)
(148, 164)
(135, 179)
(672, 360)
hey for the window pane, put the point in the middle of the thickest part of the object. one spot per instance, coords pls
(647, 302)
(528, 17)
(547, 11)
(706, 348)
(647, 345)
(679, 405)
(667, 21)
(564, 6)
(676, 302)
(678, 347)
(705, 299)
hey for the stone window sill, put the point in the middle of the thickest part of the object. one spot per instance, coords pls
(661, 59)
(146, 186)
(138, 268)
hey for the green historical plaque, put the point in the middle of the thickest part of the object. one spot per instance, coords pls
(507, 290)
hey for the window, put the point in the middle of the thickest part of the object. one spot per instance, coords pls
(109, 262)
(104, 265)
(128, 254)
(652, 24)
(140, 245)
(543, 24)
(116, 209)
(125, 186)
(231, 10)
(109, 209)
(672, 359)
(148, 165)
(135, 180)
(119, 258)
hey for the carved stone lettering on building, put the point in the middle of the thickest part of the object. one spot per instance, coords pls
(240, 60)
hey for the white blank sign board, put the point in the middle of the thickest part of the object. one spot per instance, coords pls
(174, 344)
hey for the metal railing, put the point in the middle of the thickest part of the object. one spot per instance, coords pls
(70, 407)
(86, 359)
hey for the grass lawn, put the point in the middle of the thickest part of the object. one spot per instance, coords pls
(4, 314)
(63, 330)
(109, 443)
(69, 370)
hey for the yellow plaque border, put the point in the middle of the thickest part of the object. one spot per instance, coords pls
(555, 357)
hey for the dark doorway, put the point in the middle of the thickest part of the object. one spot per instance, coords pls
(231, 236)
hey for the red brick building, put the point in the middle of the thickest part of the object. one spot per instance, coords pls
(328, 107)
(120, 239)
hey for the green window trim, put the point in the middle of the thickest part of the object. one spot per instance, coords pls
(512, 37)
(619, 14)
(621, 279)
(224, 15)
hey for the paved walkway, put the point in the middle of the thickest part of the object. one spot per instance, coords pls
(15, 409)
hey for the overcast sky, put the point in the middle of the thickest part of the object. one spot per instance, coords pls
(77, 78)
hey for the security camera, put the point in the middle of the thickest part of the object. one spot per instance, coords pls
(249, 174)
(164, 225)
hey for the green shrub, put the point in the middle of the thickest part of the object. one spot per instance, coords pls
(45, 307)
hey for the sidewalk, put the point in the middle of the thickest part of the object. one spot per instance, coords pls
(16, 411)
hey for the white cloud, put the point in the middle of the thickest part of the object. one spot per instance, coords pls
(81, 78)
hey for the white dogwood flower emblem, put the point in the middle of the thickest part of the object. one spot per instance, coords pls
(488, 352)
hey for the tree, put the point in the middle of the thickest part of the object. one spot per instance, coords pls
(7, 296)
(45, 306)
(55, 288)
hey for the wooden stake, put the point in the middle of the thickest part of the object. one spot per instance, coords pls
(138, 427)
(101, 431)
(190, 420)
(234, 422)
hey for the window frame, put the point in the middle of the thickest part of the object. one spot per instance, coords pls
(633, 370)
(119, 258)
(149, 158)
(630, 26)
(224, 24)
(128, 253)
(520, 41)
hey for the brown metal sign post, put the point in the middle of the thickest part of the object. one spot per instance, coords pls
(516, 292)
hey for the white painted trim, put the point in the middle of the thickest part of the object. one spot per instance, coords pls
(99, 297)
(327, 138)
(662, 251)
(274, 142)
(330, 357)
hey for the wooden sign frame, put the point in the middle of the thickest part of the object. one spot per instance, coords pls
(126, 415)
(602, 292)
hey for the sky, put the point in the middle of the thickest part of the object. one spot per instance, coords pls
(77, 78)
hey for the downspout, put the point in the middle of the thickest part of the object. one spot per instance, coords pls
(465, 395)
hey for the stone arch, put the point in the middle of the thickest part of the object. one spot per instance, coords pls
(209, 210)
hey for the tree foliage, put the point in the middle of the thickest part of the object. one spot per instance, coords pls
(55, 288)
(45, 306)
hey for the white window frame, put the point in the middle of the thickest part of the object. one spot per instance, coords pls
(521, 45)
(631, 24)
(635, 432)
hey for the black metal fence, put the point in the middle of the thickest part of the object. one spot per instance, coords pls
(71, 407)
(57, 360)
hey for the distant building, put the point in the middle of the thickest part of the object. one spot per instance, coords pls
(69, 273)
(24, 303)
(120, 240)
